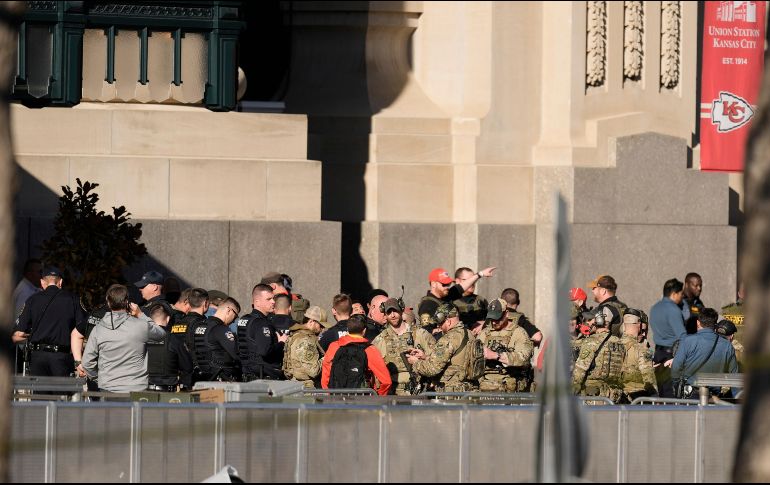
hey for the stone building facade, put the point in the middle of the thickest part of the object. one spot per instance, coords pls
(413, 135)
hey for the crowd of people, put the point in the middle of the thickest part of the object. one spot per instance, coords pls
(453, 340)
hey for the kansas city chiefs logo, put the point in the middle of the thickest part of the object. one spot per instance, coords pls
(730, 112)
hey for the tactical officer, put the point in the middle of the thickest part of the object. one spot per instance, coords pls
(603, 289)
(194, 327)
(167, 359)
(181, 307)
(224, 364)
(507, 352)
(281, 318)
(395, 344)
(450, 360)
(151, 288)
(260, 347)
(691, 302)
(47, 322)
(638, 373)
(302, 353)
(472, 307)
(511, 297)
(444, 290)
(598, 369)
(375, 318)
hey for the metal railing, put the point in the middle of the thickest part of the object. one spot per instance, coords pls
(68, 442)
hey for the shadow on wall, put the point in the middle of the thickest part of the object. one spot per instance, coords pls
(337, 50)
(35, 224)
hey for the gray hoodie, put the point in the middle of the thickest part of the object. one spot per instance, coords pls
(116, 351)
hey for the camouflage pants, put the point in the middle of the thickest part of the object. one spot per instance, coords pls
(602, 389)
(506, 384)
(457, 386)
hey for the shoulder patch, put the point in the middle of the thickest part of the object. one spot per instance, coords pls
(229, 335)
(425, 319)
(266, 331)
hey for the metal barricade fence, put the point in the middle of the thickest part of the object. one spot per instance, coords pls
(265, 442)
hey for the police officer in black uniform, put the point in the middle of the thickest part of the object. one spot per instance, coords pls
(79, 338)
(195, 329)
(260, 347)
(224, 364)
(151, 288)
(168, 362)
(46, 322)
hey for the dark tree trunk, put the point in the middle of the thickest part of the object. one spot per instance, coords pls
(752, 458)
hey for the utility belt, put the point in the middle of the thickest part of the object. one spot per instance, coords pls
(154, 387)
(662, 354)
(64, 349)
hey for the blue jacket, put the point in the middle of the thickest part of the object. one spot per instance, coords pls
(666, 322)
(695, 348)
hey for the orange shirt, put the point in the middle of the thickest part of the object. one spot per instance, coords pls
(374, 359)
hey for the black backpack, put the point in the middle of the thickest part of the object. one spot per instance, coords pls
(349, 367)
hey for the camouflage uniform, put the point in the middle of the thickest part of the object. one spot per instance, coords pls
(298, 307)
(638, 373)
(621, 308)
(472, 308)
(302, 356)
(392, 347)
(446, 365)
(603, 377)
(515, 342)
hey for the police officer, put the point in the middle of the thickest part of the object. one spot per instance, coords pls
(598, 369)
(260, 347)
(47, 322)
(168, 362)
(705, 351)
(194, 327)
(281, 318)
(181, 307)
(447, 364)
(638, 372)
(79, 338)
(395, 343)
(282, 284)
(224, 364)
(511, 297)
(603, 289)
(302, 353)
(444, 290)
(507, 352)
(151, 289)
(691, 302)
(472, 307)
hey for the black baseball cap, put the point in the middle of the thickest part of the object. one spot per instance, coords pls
(150, 277)
(51, 271)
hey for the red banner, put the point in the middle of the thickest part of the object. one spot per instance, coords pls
(733, 50)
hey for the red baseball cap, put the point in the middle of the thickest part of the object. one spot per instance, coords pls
(440, 275)
(577, 294)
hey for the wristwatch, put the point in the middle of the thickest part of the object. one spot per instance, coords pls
(77, 363)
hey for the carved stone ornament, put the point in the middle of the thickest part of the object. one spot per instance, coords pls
(669, 44)
(633, 40)
(596, 43)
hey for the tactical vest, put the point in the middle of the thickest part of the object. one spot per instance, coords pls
(200, 349)
(497, 339)
(471, 311)
(299, 306)
(241, 337)
(616, 327)
(631, 374)
(191, 321)
(608, 365)
(159, 363)
(287, 365)
(222, 363)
